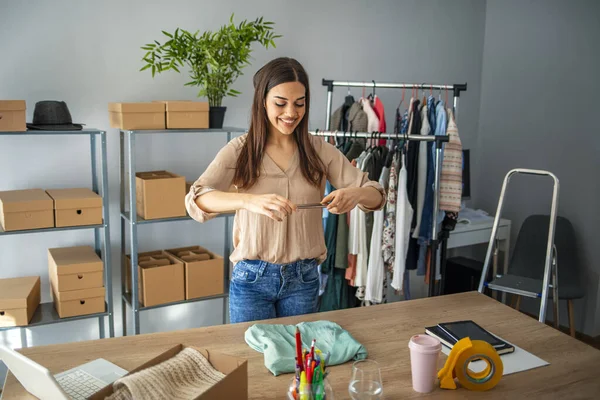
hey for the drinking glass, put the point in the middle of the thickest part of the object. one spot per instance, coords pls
(366, 381)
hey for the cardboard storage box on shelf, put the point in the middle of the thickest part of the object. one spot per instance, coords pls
(148, 115)
(75, 268)
(203, 271)
(76, 207)
(76, 281)
(160, 279)
(78, 302)
(185, 114)
(12, 115)
(127, 264)
(26, 209)
(233, 386)
(19, 298)
(160, 194)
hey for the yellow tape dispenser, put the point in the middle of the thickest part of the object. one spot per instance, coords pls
(457, 366)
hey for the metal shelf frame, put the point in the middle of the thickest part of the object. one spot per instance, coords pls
(45, 313)
(130, 225)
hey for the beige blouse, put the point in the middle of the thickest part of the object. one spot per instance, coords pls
(298, 237)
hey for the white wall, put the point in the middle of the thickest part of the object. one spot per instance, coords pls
(87, 53)
(538, 110)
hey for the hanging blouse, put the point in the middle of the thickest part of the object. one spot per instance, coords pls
(376, 269)
(404, 216)
(422, 171)
(373, 120)
(389, 224)
(451, 176)
(379, 110)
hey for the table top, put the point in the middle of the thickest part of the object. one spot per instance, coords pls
(385, 331)
(479, 225)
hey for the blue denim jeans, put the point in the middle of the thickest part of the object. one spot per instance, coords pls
(261, 290)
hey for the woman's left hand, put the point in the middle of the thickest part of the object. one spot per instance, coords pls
(342, 201)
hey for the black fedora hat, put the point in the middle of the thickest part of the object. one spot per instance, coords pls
(52, 115)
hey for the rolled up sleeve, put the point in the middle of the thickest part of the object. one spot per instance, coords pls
(342, 174)
(218, 176)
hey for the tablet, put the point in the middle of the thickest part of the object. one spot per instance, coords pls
(462, 329)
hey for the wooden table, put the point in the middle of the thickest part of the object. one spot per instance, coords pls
(384, 330)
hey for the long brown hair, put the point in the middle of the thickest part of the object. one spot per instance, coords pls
(247, 171)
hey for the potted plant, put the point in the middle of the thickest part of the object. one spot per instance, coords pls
(215, 59)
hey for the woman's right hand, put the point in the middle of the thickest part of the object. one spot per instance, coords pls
(273, 206)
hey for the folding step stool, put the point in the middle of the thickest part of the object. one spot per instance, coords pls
(519, 285)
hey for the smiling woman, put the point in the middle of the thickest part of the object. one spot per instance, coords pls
(280, 107)
(264, 175)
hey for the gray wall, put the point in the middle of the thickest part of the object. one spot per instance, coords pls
(539, 82)
(87, 54)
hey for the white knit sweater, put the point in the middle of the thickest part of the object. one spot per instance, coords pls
(184, 376)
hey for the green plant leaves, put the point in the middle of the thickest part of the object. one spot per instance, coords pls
(214, 59)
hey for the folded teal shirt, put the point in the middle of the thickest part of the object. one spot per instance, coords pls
(278, 343)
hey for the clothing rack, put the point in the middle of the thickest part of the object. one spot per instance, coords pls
(456, 89)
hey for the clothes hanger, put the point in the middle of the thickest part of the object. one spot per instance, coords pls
(349, 100)
(372, 146)
(402, 99)
(405, 144)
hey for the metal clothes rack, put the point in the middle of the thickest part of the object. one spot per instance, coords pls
(456, 89)
(45, 314)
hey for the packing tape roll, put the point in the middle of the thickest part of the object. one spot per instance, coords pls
(457, 366)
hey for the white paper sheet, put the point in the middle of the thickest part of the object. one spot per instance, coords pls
(517, 361)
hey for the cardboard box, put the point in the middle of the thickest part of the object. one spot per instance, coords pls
(75, 268)
(160, 194)
(141, 256)
(12, 115)
(233, 386)
(76, 207)
(26, 209)
(161, 279)
(78, 302)
(204, 271)
(19, 298)
(150, 115)
(184, 114)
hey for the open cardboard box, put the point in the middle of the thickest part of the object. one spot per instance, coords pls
(233, 386)
(161, 278)
(203, 271)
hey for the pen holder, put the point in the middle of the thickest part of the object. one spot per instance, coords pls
(321, 391)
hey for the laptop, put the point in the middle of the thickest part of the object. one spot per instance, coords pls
(77, 383)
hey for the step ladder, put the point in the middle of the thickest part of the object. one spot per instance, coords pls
(520, 285)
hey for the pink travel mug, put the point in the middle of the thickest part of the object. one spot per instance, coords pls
(424, 353)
